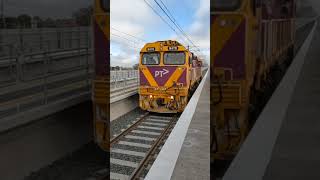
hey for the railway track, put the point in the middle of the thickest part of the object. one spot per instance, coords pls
(135, 148)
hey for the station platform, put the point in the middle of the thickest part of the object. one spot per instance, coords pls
(296, 153)
(284, 143)
(194, 158)
(186, 153)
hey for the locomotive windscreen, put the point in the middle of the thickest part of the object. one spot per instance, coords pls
(151, 58)
(225, 5)
(174, 58)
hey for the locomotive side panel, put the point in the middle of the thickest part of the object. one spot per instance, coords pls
(195, 72)
(248, 40)
(100, 93)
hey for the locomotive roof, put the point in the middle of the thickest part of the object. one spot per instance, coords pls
(158, 46)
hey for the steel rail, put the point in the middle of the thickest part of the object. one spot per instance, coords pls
(128, 130)
(137, 172)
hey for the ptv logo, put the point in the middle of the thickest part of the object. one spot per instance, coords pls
(161, 73)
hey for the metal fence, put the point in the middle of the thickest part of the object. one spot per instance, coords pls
(20, 41)
(43, 71)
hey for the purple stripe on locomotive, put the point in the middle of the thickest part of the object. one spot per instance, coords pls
(161, 74)
(143, 80)
(183, 78)
(232, 55)
(101, 52)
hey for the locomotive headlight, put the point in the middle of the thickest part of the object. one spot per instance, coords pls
(171, 97)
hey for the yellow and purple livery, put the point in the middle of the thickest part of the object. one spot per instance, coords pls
(100, 92)
(248, 39)
(169, 74)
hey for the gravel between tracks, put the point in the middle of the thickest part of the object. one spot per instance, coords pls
(125, 121)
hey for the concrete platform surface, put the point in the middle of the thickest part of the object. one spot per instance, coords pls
(194, 158)
(296, 154)
(257, 151)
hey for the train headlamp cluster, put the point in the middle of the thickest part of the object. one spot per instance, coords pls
(151, 97)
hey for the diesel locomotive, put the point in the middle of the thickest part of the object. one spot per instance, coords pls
(169, 74)
(248, 39)
(101, 85)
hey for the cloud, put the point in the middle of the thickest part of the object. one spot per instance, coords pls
(131, 17)
(199, 30)
(136, 18)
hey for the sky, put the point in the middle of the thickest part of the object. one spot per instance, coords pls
(136, 18)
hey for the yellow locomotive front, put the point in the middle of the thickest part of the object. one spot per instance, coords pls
(167, 75)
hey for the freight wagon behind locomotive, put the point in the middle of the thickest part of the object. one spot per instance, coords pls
(169, 74)
(249, 39)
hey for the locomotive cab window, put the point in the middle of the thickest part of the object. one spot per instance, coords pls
(174, 58)
(225, 5)
(150, 58)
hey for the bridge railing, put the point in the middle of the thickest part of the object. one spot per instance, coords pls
(123, 83)
(18, 41)
(37, 80)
